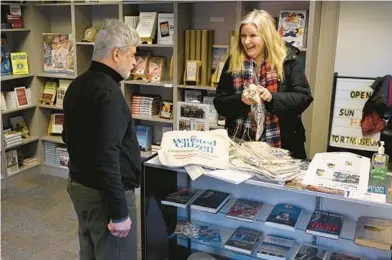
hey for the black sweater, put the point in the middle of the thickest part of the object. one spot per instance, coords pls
(100, 136)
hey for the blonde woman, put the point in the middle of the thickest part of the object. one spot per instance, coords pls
(263, 89)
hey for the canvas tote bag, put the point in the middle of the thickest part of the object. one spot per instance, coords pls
(205, 148)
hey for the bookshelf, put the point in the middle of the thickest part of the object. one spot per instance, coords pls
(76, 16)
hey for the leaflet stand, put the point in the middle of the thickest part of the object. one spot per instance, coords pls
(192, 72)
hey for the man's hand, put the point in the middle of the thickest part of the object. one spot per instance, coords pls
(245, 98)
(265, 95)
(120, 229)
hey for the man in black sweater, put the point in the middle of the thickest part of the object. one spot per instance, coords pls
(104, 165)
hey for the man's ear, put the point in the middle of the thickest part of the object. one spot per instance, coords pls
(116, 54)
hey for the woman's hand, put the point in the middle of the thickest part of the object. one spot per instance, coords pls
(245, 98)
(265, 95)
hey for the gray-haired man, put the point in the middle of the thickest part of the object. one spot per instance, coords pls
(104, 153)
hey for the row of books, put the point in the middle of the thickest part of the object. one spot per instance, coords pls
(56, 155)
(54, 92)
(16, 159)
(150, 105)
(246, 241)
(371, 232)
(17, 124)
(19, 97)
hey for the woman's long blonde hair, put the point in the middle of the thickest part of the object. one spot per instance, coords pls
(275, 51)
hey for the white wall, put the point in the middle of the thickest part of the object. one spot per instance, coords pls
(364, 44)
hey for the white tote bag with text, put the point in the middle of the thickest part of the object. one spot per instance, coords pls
(205, 148)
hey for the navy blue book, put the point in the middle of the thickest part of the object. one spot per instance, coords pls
(284, 216)
(244, 240)
(211, 201)
(325, 224)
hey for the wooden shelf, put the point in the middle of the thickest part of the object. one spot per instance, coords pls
(18, 109)
(147, 2)
(100, 3)
(15, 30)
(55, 75)
(54, 107)
(12, 77)
(217, 127)
(154, 118)
(52, 4)
(85, 43)
(167, 84)
(23, 169)
(197, 87)
(53, 139)
(25, 141)
(156, 45)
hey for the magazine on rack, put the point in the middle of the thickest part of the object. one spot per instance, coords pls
(192, 116)
(341, 171)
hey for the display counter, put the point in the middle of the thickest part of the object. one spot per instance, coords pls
(159, 221)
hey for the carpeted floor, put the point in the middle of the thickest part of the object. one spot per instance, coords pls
(38, 221)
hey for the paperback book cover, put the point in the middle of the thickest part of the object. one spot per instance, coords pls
(244, 240)
(207, 234)
(308, 252)
(284, 216)
(326, 224)
(211, 201)
(340, 256)
(374, 232)
(275, 248)
(244, 210)
(181, 198)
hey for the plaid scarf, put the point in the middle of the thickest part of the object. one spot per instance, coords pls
(247, 128)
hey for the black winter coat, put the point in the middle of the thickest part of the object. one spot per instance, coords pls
(291, 100)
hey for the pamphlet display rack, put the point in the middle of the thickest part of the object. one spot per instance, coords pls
(159, 221)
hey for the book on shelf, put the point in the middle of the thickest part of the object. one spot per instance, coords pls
(284, 216)
(49, 94)
(56, 124)
(58, 53)
(18, 124)
(62, 157)
(165, 28)
(192, 116)
(211, 201)
(147, 25)
(244, 209)
(244, 240)
(20, 65)
(325, 224)
(342, 256)
(22, 97)
(144, 137)
(310, 252)
(293, 27)
(191, 95)
(156, 69)
(275, 248)
(12, 161)
(181, 198)
(167, 109)
(63, 86)
(11, 138)
(131, 21)
(374, 232)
